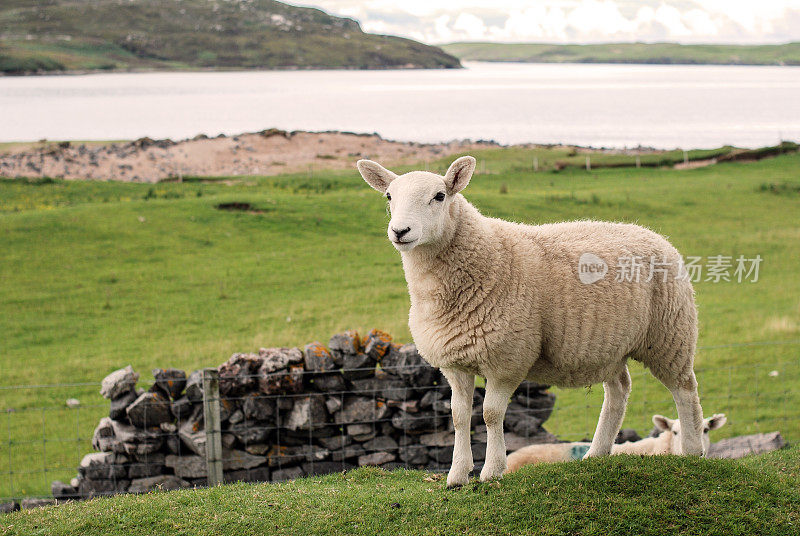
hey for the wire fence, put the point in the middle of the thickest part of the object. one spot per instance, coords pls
(296, 422)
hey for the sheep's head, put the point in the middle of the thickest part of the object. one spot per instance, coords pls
(674, 427)
(419, 201)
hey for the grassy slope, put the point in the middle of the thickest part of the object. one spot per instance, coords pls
(94, 277)
(163, 34)
(619, 495)
(788, 54)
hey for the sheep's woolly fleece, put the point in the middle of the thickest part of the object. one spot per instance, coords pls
(506, 301)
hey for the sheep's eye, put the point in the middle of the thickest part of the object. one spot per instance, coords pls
(439, 196)
(388, 196)
(675, 433)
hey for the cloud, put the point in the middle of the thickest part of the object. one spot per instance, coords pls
(577, 21)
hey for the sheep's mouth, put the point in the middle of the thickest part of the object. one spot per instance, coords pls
(400, 243)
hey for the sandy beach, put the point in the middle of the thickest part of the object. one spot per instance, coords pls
(269, 152)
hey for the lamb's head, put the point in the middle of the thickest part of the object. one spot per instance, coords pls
(419, 201)
(663, 424)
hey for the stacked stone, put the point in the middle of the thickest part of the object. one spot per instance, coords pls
(287, 413)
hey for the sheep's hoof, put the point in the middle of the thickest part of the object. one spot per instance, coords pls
(456, 481)
(488, 474)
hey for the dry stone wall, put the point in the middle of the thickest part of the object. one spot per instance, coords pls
(290, 412)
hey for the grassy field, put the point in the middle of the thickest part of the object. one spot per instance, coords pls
(618, 495)
(786, 54)
(96, 275)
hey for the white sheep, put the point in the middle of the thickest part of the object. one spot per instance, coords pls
(508, 301)
(667, 442)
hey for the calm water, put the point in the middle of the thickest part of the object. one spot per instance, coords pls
(600, 105)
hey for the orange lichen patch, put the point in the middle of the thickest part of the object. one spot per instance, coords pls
(357, 343)
(379, 344)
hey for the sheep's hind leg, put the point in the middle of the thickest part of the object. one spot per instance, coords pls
(615, 400)
(495, 403)
(690, 414)
(463, 386)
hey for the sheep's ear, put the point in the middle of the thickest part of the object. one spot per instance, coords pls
(375, 174)
(459, 174)
(662, 423)
(716, 421)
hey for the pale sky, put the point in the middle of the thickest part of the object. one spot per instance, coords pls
(576, 21)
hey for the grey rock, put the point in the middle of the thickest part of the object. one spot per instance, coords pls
(240, 459)
(424, 421)
(8, 507)
(280, 456)
(182, 407)
(249, 433)
(103, 437)
(335, 442)
(445, 438)
(282, 382)
(413, 369)
(136, 441)
(376, 458)
(384, 386)
(377, 344)
(361, 432)
(171, 381)
(313, 453)
(331, 382)
(187, 466)
(28, 504)
(386, 443)
(288, 473)
(149, 466)
(275, 359)
(120, 404)
(348, 452)
(94, 488)
(239, 374)
(236, 417)
(194, 386)
(160, 483)
(358, 366)
(360, 409)
(103, 466)
(259, 449)
(62, 491)
(429, 398)
(414, 454)
(193, 433)
(539, 405)
(119, 382)
(441, 454)
(333, 404)
(308, 413)
(625, 435)
(317, 358)
(228, 441)
(520, 420)
(259, 408)
(741, 446)
(149, 409)
(342, 344)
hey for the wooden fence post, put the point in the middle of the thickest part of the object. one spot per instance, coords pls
(213, 426)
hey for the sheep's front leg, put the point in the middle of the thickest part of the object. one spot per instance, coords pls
(463, 386)
(615, 400)
(495, 403)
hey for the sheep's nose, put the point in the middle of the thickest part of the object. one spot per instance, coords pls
(399, 233)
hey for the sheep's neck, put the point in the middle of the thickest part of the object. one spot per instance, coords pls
(457, 271)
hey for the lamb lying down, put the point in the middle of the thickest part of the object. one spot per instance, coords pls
(667, 442)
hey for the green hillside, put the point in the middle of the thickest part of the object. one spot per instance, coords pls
(618, 495)
(662, 53)
(54, 35)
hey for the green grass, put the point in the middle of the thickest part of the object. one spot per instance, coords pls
(646, 496)
(62, 35)
(669, 53)
(98, 275)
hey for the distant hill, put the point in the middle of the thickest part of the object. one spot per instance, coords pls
(56, 35)
(661, 53)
